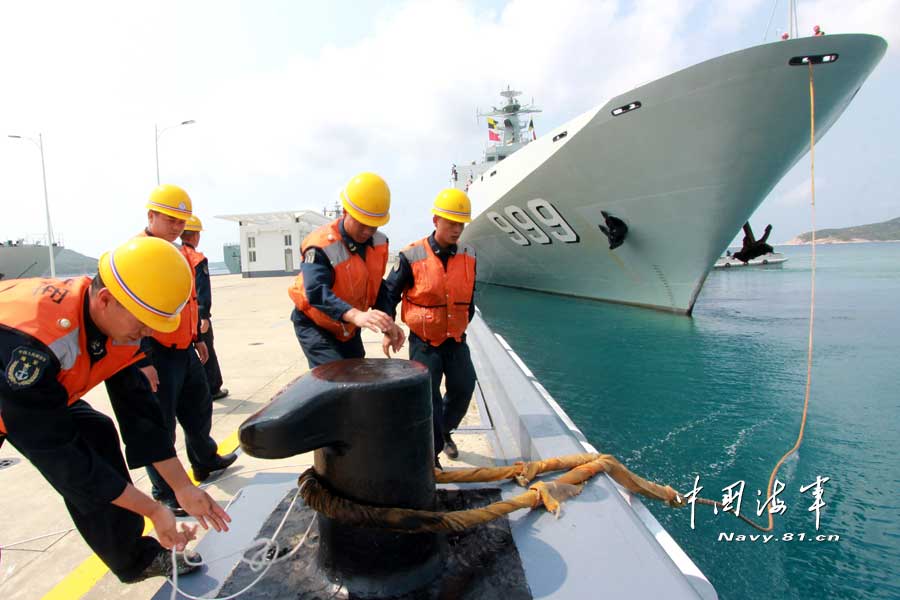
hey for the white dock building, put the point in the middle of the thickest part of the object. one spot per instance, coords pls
(270, 242)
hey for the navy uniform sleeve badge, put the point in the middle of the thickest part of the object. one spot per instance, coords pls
(310, 256)
(26, 366)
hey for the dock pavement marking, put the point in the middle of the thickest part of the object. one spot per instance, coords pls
(86, 575)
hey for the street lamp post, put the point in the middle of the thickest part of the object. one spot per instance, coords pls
(159, 133)
(40, 144)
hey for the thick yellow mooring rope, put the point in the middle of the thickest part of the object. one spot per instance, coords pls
(548, 494)
(812, 311)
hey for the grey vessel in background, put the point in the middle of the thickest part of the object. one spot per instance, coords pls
(634, 200)
(20, 259)
(232, 253)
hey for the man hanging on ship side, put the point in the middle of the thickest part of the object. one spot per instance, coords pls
(341, 277)
(435, 277)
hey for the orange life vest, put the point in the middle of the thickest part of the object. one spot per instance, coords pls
(184, 336)
(52, 311)
(436, 307)
(193, 256)
(356, 281)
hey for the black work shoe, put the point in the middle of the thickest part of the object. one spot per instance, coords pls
(450, 448)
(437, 464)
(222, 463)
(172, 504)
(162, 565)
(223, 392)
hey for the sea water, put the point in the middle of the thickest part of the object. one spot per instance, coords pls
(716, 399)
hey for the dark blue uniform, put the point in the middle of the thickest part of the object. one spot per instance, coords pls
(183, 395)
(320, 346)
(204, 306)
(76, 448)
(450, 359)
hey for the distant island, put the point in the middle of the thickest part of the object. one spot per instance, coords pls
(70, 263)
(887, 231)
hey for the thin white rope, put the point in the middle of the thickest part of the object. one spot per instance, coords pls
(40, 537)
(265, 555)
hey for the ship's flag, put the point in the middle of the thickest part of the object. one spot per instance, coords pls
(531, 129)
(493, 135)
(492, 124)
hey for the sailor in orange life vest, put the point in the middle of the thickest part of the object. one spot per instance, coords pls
(436, 279)
(341, 277)
(172, 365)
(190, 239)
(58, 340)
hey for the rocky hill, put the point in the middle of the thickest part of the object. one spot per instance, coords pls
(887, 231)
(70, 263)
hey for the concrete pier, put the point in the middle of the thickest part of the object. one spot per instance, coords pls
(259, 354)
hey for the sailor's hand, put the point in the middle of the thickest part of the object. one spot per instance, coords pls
(202, 352)
(167, 529)
(204, 325)
(398, 337)
(202, 507)
(393, 340)
(152, 377)
(375, 320)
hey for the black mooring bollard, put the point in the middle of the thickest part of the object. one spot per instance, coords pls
(369, 422)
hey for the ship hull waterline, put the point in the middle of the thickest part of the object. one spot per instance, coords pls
(684, 171)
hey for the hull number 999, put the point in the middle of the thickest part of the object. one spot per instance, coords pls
(546, 226)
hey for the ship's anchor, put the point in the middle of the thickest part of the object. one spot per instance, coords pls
(615, 230)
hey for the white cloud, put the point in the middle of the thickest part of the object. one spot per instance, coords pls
(879, 17)
(282, 126)
(799, 194)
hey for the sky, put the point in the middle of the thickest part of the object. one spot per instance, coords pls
(290, 99)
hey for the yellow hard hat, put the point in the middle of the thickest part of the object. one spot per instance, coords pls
(453, 204)
(368, 199)
(170, 200)
(194, 224)
(151, 279)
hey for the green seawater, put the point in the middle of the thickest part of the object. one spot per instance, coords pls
(720, 396)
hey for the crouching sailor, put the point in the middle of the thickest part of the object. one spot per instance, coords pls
(58, 340)
(436, 279)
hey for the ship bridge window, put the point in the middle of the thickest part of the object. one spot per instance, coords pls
(560, 136)
(490, 159)
(624, 109)
(817, 59)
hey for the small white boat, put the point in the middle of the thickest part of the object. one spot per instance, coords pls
(770, 258)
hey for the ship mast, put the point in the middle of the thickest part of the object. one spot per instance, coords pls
(509, 126)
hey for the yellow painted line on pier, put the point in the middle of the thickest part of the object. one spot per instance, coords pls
(86, 575)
